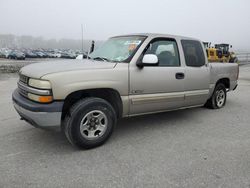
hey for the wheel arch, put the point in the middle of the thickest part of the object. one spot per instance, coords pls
(110, 95)
(225, 81)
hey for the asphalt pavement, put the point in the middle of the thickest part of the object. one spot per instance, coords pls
(188, 148)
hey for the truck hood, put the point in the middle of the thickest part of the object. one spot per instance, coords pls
(37, 70)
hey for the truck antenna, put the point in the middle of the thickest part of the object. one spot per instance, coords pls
(82, 37)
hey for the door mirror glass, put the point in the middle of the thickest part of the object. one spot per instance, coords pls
(150, 59)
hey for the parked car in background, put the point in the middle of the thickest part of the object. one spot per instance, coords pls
(30, 54)
(2, 55)
(16, 55)
(68, 55)
(82, 56)
(5, 52)
(41, 54)
(58, 55)
(52, 54)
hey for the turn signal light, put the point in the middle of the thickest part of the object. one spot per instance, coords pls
(41, 99)
(45, 99)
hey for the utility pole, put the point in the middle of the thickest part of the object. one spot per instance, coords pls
(82, 37)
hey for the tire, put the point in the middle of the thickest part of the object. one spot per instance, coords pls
(219, 97)
(89, 123)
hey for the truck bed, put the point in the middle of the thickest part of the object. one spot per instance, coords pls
(224, 70)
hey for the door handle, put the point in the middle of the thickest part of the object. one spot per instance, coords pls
(179, 75)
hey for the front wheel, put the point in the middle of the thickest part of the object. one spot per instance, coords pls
(218, 99)
(89, 123)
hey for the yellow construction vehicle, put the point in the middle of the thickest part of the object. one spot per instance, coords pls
(226, 55)
(213, 54)
(219, 53)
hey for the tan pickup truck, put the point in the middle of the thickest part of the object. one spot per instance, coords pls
(127, 76)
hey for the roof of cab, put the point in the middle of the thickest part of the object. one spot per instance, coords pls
(155, 35)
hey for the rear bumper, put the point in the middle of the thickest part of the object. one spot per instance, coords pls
(38, 115)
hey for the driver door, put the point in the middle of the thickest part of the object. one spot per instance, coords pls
(161, 87)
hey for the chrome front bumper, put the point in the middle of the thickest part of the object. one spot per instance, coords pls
(38, 115)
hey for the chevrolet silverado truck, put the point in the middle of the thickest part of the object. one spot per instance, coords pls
(127, 76)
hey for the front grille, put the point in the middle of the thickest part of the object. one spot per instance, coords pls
(23, 92)
(23, 78)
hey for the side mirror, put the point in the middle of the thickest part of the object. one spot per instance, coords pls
(92, 46)
(148, 60)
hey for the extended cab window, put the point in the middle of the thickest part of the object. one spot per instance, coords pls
(193, 52)
(166, 51)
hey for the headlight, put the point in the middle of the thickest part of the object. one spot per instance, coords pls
(43, 92)
(41, 84)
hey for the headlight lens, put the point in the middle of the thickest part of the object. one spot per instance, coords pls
(41, 84)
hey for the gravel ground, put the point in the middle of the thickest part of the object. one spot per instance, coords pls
(188, 148)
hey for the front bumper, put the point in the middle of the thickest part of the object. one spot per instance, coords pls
(38, 115)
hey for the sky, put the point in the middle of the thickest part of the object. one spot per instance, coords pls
(218, 21)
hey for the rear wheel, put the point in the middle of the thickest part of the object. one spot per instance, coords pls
(89, 123)
(218, 99)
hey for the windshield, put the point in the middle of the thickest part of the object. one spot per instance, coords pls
(118, 49)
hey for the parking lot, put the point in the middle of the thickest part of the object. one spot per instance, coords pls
(188, 148)
(13, 66)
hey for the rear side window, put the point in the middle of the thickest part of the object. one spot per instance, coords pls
(193, 52)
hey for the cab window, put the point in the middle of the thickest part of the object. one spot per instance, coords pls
(193, 52)
(166, 50)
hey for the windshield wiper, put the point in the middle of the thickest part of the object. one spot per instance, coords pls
(101, 58)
